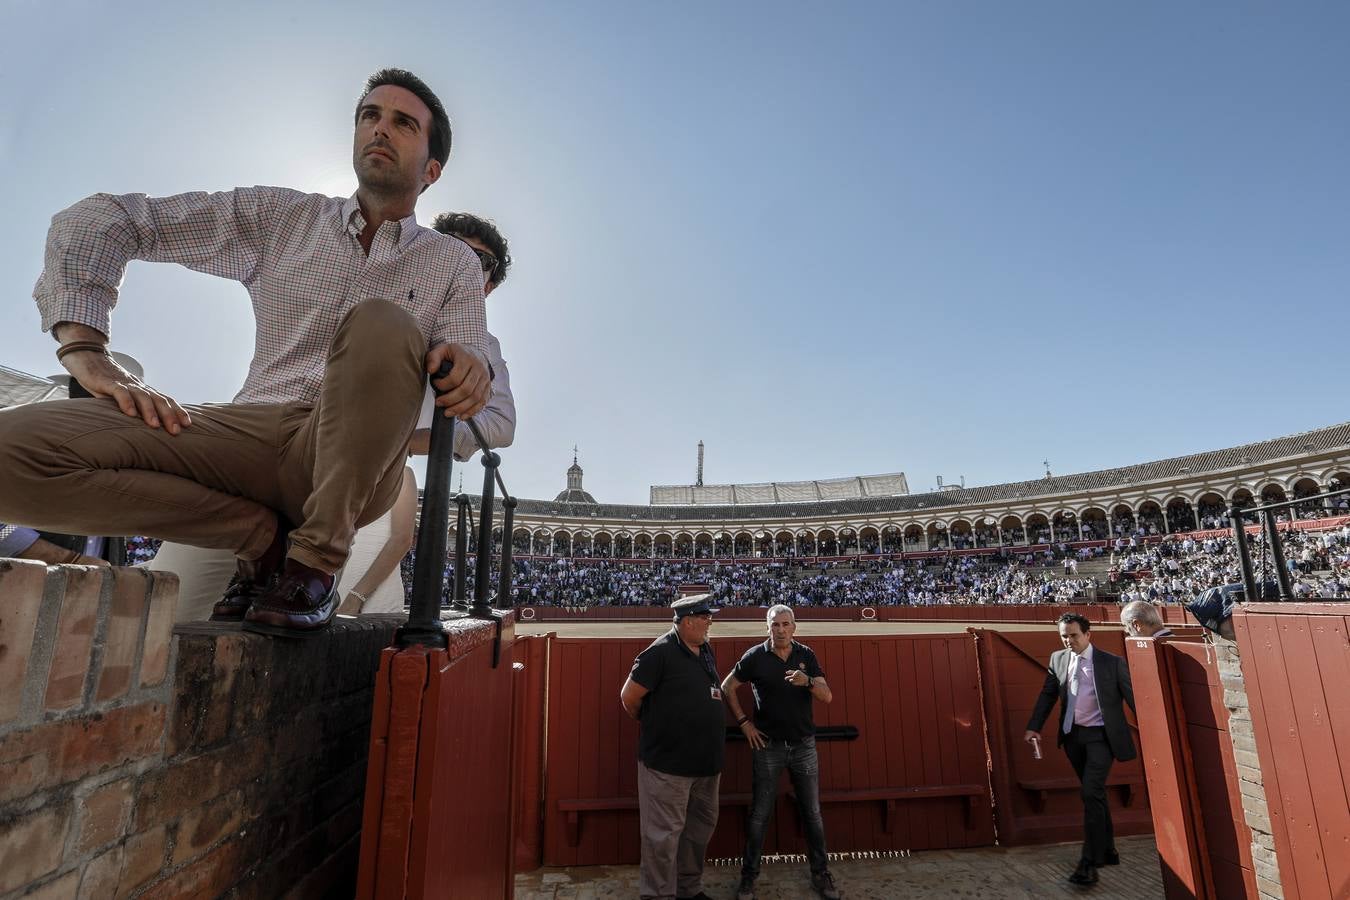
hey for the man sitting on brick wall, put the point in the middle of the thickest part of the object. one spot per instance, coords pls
(349, 294)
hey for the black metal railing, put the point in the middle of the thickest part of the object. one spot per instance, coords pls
(1271, 534)
(428, 582)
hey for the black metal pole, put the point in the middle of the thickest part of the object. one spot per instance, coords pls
(1277, 555)
(1244, 555)
(424, 619)
(482, 572)
(504, 599)
(460, 600)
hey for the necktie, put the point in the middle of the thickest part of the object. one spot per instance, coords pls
(1073, 694)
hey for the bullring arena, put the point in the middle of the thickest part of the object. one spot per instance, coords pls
(155, 745)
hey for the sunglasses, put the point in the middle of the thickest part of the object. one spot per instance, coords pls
(488, 261)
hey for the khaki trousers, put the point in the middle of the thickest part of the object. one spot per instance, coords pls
(85, 467)
(677, 815)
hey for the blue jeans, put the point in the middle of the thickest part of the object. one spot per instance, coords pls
(799, 758)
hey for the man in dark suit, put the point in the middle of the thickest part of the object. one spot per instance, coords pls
(1090, 685)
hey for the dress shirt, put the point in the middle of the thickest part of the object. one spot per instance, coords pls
(497, 420)
(1082, 688)
(298, 256)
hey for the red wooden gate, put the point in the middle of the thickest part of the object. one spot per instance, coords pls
(1296, 666)
(1038, 799)
(915, 778)
(530, 667)
(1203, 842)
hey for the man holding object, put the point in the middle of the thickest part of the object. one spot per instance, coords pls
(1090, 685)
(786, 680)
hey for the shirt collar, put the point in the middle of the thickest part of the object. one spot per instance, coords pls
(1086, 655)
(354, 221)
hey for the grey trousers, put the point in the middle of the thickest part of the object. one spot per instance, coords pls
(678, 815)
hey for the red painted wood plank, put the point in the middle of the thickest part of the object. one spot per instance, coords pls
(874, 727)
(1307, 873)
(1331, 640)
(1308, 672)
(945, 733)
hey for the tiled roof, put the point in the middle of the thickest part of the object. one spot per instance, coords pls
(1192, 466)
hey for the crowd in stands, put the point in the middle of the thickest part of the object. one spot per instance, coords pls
(1174, 570)
(1178, 569)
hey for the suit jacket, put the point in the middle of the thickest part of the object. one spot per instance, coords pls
(1112, 678)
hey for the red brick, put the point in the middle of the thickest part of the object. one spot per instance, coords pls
(208, 877)
(62, 888)
(74, 636)
(123, 636)
(101, 875)
(103, 816)
(191, 694)
(21, 586)
(206, 825)
(143, 857)
(159, 627)
(31, 846)
(167, 794)
(58, 752)
(229, 652)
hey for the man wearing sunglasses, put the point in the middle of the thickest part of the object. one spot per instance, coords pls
(371, 582)
(354, 303)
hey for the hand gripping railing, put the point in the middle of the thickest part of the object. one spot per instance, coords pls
(1272, 536)
(424, 618)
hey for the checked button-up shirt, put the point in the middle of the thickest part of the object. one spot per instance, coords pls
(298, 256)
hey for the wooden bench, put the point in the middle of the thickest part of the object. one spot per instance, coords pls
(890, 796)
(573, 809)
(1040, 788)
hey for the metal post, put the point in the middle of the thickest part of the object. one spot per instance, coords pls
(483, 561)
(1244, 555)
(424, 619)
(504, 598)
(1277, 555)
(460, 599)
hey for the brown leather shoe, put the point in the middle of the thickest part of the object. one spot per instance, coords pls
(300, 603)
(239, 596)
(250, 578)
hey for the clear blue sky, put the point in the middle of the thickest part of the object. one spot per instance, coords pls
(943, 238)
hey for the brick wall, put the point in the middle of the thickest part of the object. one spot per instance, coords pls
(144, 761)
(1250, 782)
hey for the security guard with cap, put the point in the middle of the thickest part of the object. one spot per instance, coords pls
(674, 692)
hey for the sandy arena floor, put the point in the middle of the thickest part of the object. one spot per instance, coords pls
(987, 873)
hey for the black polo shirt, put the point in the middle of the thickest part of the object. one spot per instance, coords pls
(782, 710)
(682, 716)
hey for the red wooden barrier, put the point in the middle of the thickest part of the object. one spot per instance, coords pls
(439, 732)
(1296, 666)
(1098, 614)
(1204, 845)
(527, 749)
(916, 778)
(1038, 799)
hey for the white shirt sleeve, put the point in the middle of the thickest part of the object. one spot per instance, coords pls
(497, 420)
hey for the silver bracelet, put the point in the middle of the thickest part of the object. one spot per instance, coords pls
(360, 596)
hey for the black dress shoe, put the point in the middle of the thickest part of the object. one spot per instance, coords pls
(300, 603)
(1112, 858)
(1085, 874)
